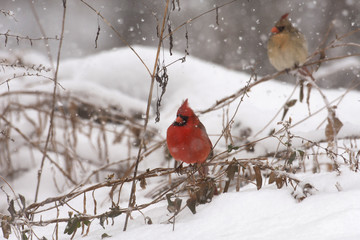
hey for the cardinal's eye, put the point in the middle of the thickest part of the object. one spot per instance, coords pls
(281, 28)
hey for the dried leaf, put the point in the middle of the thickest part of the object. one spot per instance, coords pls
(231, 170)
(217, 15)
(249, 174)
(191, 204)
(230, 173)
(143, 183)
(148, 220)
(5, 226)
(171, 38)
(102, 220)
(302, 153)
(284, 113)
(72, 225)
(288, 105)
(308, 94)
(291, 103)
(292, 157)
(329, 130)
(279, 182)
(11, 209)
(177, 204)
(110, 177)
(303, 192)
(329, 167)
(162, 81)
(230, 147)
(115, 211)
(105, 235)
(272, 132)
(23, 235)
(206, 191)
(173, 206)
(22, 199)
(250, 146)
(301, 94)
(272, 177)
(258, 177)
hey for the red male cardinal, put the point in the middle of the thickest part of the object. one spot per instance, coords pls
(186, 138)
(287, 46)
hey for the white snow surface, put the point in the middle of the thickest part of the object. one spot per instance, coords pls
(118, 78)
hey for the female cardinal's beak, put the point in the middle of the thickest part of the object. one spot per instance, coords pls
(275, 30)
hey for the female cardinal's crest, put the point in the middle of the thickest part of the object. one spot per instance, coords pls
(284, 16)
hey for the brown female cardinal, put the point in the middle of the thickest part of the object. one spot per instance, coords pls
(186, 138)
(287, 47)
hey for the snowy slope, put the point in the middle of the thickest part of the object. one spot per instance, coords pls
(265, 214)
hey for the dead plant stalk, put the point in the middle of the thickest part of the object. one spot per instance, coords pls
(133, 186)
(50, 131)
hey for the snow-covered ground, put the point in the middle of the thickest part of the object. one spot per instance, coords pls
(266, 214)
(117, 79)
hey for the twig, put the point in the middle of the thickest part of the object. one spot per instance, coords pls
(39, 148)
(50, 131)
(117, 33)
(226, 100)
(331, 112)
(29, 75)
(278, 112)
(324, 107)
(233, 116)
(44, 37)
(133, 186)
(8, 13)
(198, 16)
(12, 190)
(18, 38)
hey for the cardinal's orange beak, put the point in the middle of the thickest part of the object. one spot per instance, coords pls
(275, 30)
(179, 119)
